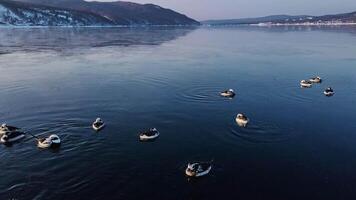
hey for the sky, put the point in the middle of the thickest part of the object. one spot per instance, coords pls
(231, 9)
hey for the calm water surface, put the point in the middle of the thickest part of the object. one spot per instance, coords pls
(299, 144)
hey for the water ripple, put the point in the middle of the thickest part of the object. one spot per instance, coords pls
(261, 132)
(199, 94)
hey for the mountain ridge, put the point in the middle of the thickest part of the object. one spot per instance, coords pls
(288, 19)
(117, 13)
(123, 12)
(18, 13)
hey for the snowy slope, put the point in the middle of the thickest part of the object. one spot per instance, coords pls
(16, 13)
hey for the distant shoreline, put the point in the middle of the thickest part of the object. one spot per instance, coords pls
(290, 24)
(304, 24)
(343, 19)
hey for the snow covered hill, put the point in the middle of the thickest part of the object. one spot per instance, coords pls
(17, 13)
(83, 13)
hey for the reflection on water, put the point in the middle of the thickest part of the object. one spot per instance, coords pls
(298, 144)
(61, 39)
(338, 29)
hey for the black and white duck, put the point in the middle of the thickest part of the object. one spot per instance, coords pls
(98, 124)
(10, 137)
(198, 169)
(242, 120)
(329, 92)
(228, 93)
(151, 134)
(4, 128)
(52, 141)
(305, 84)
(316, 79)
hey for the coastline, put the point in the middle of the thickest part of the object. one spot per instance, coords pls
(305, 24)
(280, 24)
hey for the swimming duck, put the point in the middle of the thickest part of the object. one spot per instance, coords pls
(305, 84)
(329, 92)
(198, 169)
(228, 93)
(4, 128)
(242, 120)
(50, 142)
(98, 124)
(13, 136)
(315, 79)
(149, 135)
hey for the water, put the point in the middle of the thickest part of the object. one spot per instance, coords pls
(299, 144)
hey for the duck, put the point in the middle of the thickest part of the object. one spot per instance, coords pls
(10, 137)
(52, 141)
(4, 128)
(305, 84)
(228, 93)
(329, 92)
(242, 120)
(98, 124)
(198, 169)
(151, 134)
(316, 79)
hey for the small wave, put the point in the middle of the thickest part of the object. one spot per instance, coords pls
(155, 81)
(75, 184)
(15, 186)
(288, 93)
(261, 132)
(14, 88)
(200, 94)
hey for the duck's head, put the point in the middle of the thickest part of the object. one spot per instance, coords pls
(54, 137)
(98, 119)
(191, 166)
(231, 90)
(3, 125)
(5, 137)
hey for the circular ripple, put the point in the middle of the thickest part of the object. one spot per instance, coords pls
(291, 93)
(261, 132)
(295, 94)
(200, 94)
(154, 81)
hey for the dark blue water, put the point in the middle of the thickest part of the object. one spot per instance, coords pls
(298, 145)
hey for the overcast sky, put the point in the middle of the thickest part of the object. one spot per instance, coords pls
(225, 9)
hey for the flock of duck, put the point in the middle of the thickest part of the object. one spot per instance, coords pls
(309, 83)
(11, 134)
